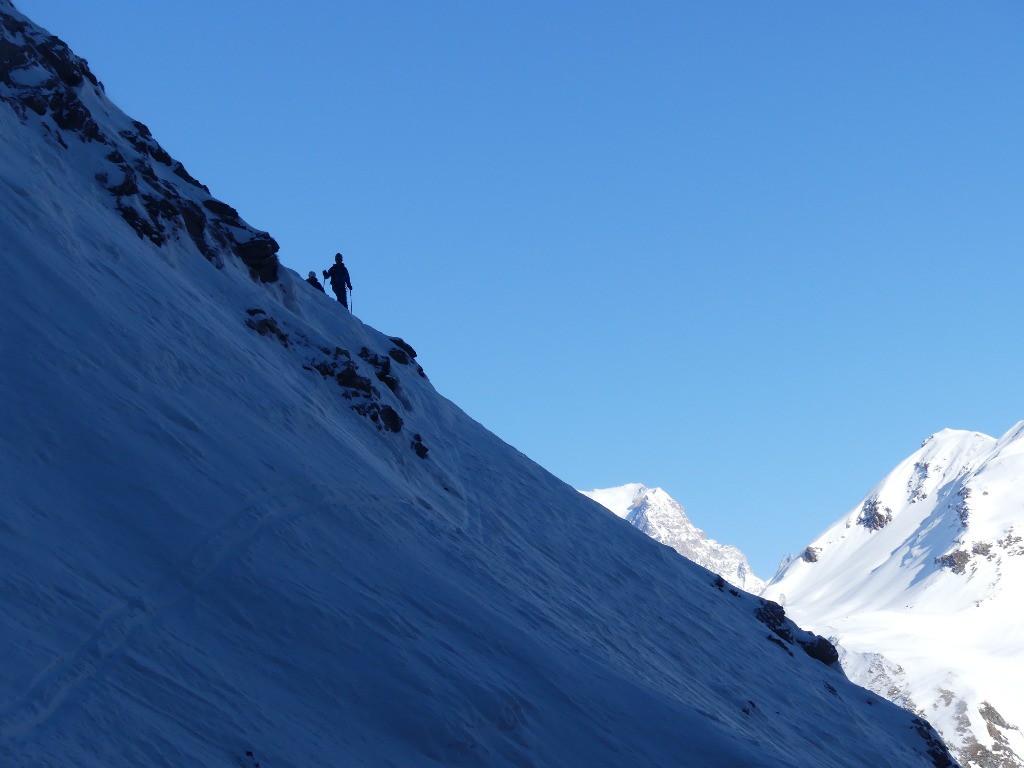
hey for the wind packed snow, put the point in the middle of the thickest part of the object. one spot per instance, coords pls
(661, 517)
(239, 526)
(921, 585)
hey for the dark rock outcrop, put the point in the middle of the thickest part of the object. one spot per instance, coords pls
(42, 80)
(266, 326)
(962, 505)
(403, 346)
(937, 750)
(874, 516)
(810, 555)
(403, 354)
(956, 560)
(418, 446)
(399, 356)
(384, 415)
(382, 368)
(773, 615)
(339, 366)
(822, 650)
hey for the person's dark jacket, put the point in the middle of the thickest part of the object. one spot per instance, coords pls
(338, 274)
(315, 283)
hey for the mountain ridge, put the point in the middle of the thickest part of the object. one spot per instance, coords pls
(919, 584)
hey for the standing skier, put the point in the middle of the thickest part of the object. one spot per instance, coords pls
(340, 280)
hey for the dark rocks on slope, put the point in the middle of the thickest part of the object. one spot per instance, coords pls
(993, 719)
(776, 641)
(349, 378)
(344, 372)
(340, 367)
(71, 69)
(12, 57)
(195, 225)
(382, 367)
(127, 186)
(399, 356)
(143, 227)
(384, 416)
(418, 446)
(70, 114)
(223, 211)
(962, 506)
(267, 326)
(874, 516)
(146, 144)
(179, 170)
(403, 346)
(390, 418)
(773, 615)
(403, 354)
(140, 175)
(260, 255)
(937, 750)
(822, 650)
(1011, 544)
(810, 555)
(956, 560)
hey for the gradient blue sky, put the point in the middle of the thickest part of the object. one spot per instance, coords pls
(750, 252)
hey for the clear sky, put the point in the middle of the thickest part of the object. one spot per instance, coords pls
(750, 252)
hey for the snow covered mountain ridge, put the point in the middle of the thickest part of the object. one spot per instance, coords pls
(921, 584)
(661, 517)
(241, 528)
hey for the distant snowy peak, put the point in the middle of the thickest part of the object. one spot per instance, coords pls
(952, 508)
(921, 584)
(662, 518)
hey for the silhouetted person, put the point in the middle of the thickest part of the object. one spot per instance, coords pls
(340, 280)
(315, 283)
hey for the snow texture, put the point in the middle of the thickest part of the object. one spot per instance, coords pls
(920, 584)
(221, 546)
(661, 517)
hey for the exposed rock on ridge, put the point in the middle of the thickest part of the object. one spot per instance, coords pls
(44, 82)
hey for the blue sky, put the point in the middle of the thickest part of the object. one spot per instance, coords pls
(750, 252)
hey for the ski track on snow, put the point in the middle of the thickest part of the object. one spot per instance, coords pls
(229, 539)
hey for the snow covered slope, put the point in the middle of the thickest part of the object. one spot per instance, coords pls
(238, 526)
(922, 585)
(663, 519)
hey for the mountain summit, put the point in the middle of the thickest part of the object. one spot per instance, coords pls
(661, 517)
(921, 586)
(241, 528)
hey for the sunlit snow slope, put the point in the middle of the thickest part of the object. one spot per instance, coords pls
(239, 526)
(922, 585)
(661, 517)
